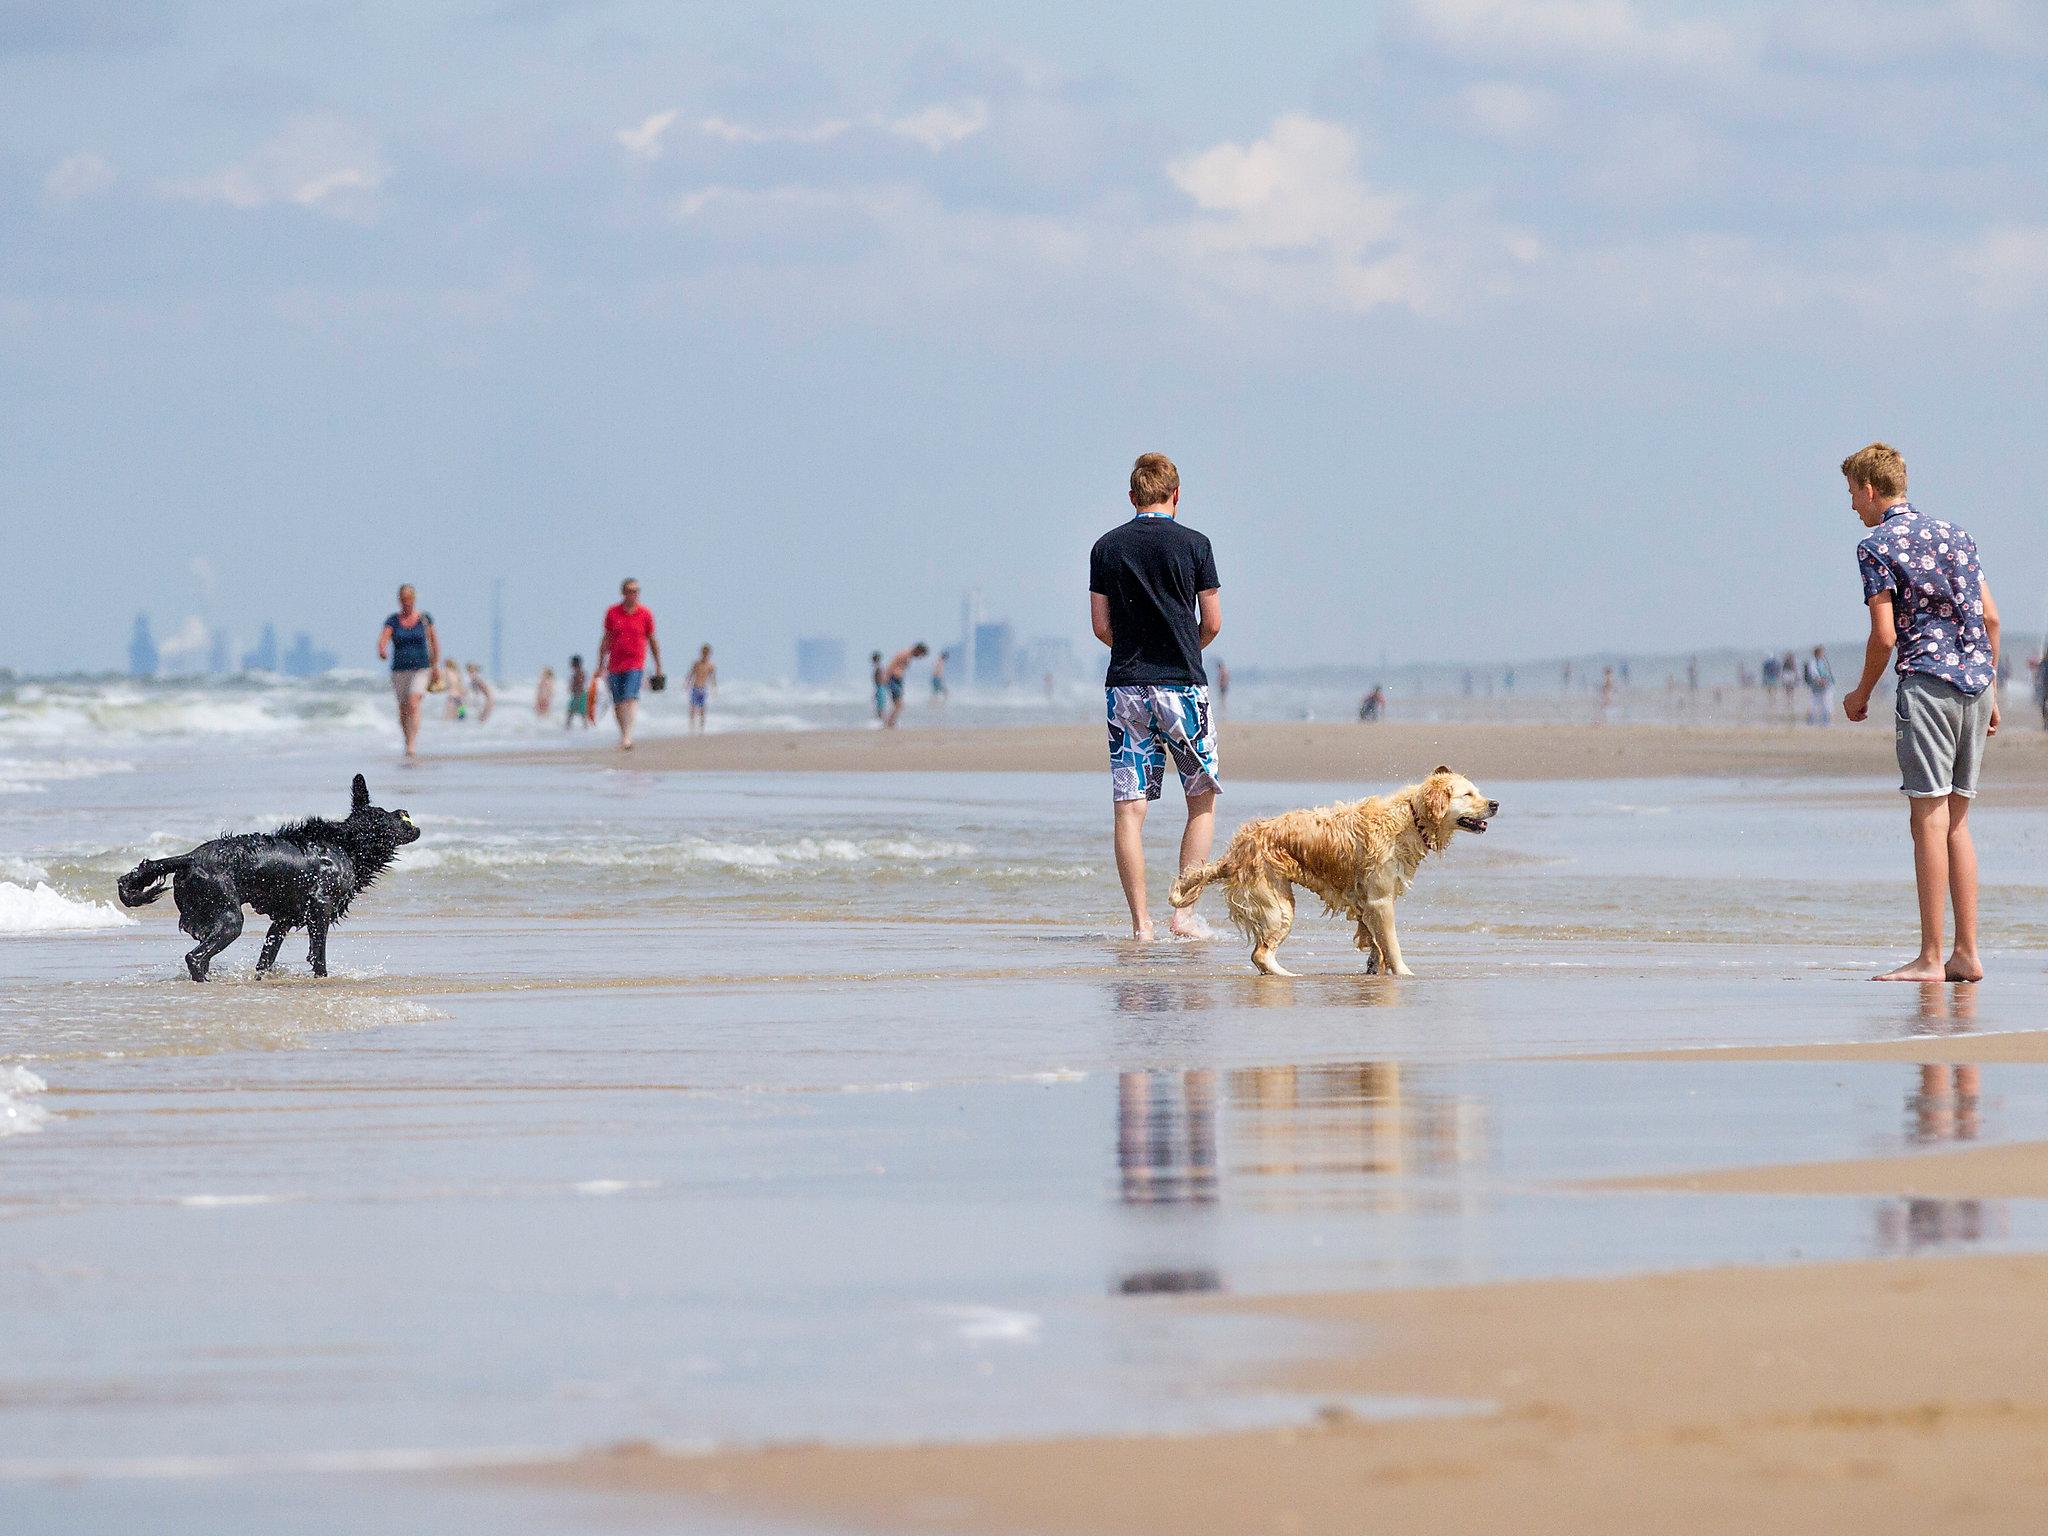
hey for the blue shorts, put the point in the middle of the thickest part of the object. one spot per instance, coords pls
(625, 686)
(1147, 723)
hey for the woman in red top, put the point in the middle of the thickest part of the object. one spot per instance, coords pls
(622, 655)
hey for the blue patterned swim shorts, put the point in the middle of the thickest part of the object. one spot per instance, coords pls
(1145, 724)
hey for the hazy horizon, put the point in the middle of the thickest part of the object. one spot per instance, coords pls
(1477, 327)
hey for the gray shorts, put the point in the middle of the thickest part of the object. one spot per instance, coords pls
(1940, 732)
(410, 682)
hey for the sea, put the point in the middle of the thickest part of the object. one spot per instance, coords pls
(751, 1108)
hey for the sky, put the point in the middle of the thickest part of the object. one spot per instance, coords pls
(1478, 328)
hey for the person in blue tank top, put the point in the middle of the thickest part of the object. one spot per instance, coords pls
(409, 642)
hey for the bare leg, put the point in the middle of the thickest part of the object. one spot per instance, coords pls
(409, 723)
(1194, 849)
(1963, 964)
(272, 942)
(1130, 862)
(1930, 875)
(626, 710)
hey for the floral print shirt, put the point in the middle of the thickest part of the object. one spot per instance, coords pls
(1931, 570)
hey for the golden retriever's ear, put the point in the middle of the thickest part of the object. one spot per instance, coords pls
(1443, 768)
(1436, 801)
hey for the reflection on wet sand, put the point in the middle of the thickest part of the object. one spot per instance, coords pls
(1344, 1135)
(1943, 1107)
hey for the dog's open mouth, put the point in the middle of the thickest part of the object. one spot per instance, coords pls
(1472, 823)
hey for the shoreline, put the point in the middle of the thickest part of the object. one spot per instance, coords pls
(1866, 1396)
(1369, 756)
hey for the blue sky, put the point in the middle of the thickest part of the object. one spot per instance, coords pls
(1478, 327)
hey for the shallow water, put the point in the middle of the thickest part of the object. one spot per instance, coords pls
(716, 1109)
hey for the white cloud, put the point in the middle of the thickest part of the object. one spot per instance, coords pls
(742, 133)
(944, 124)
(1596, 34)
(84, 174)
(1507, 110)
(2007, 268)
(644, 142)
(1296, 189)
(936, 127)
(318, 161)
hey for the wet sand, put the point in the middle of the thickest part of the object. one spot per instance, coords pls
(1387, 753)
(2018, 1046)
(2018, 1171)
(1850, 1398)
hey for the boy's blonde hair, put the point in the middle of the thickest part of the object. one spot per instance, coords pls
(1880, 466)
(1153, 479)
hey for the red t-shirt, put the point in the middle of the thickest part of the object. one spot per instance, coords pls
(628, 634)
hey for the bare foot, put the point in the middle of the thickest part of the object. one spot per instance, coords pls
(1962, 967)
(1916, 970)
(1142, 932)
(1188, 924)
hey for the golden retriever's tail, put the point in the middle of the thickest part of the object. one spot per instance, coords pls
(1187, 890)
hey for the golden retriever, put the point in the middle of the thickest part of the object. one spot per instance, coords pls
(1357, 857)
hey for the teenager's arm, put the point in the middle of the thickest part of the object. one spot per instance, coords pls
(1877, 650)
(433, 646)
(1991, 630)
(1211, 616)
(1098, 615)
(384, 643)
(654, 649)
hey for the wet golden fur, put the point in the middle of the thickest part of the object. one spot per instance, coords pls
(1359, 858)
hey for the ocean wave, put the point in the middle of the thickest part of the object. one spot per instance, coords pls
(698, 852)
(19, 1113)
(41, 909)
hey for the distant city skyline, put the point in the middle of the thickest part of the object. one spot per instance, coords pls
(1477, 327)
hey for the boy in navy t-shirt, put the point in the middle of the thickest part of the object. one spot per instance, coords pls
(1153, 599)
(1926, 593)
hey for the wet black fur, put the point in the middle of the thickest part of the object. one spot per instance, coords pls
(301, 876)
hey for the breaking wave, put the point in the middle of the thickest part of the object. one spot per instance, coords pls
(41, 909)
(19, 1113)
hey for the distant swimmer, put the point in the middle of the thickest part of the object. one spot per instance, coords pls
(414, 650)
(881, 685)
(893, 676)
(452, 689)
(480, 690)
(579, 694)
(1154, 600)
(703, 681)
(622, 655)
(544, 693)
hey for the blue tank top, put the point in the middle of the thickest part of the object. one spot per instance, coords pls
(409, 643)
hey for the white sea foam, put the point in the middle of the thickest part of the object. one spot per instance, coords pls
(800, 852)
(19, 1113)
(992, 1325)
(40, 909)
(21, 871)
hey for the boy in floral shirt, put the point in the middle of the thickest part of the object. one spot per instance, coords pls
(1926, 592)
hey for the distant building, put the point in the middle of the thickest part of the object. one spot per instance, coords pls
(302, 660)
(820, 660)
(142, 653)
(264, 657)
(1047, 656)
(994, 654)
(220, 659)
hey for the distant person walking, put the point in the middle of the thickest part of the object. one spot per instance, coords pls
(881, 686)
(414, 650)
(939, 678)
(622, 655)
(544, 693)
(1222, 685)
(703, 680)
(1819, 676)
(893, 677)
(1154, 600)
(579, 694)
(480, 689)
(1927, 595)
(1373, 705)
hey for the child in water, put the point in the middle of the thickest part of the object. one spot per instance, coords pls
(579, 694)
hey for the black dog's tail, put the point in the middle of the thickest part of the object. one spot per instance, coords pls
(146, 881)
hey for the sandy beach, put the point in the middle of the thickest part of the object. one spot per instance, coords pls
(1380, 754)
(1849, 1398)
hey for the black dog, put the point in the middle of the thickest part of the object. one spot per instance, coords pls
(300, 876)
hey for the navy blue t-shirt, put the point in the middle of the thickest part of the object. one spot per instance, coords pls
(409, 643)
(1151, 570)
